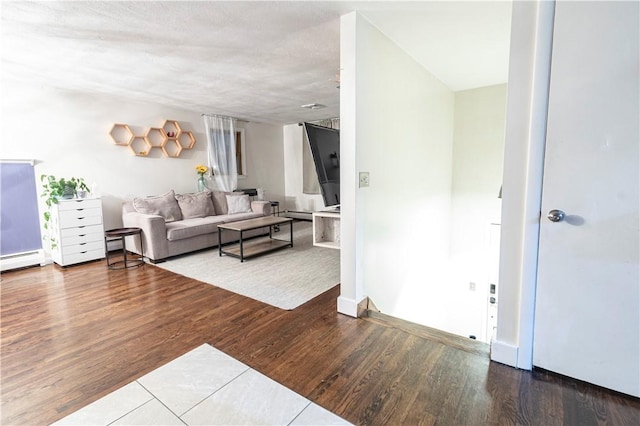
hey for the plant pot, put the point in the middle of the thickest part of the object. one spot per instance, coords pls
(68, 192)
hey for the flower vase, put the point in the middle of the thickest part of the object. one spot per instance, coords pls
(201, 184)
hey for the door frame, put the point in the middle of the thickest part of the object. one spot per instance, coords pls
(525, 138)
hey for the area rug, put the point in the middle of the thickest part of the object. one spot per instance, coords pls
(285, 279)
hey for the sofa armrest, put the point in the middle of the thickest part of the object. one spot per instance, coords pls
(262, 207)
(154, 233)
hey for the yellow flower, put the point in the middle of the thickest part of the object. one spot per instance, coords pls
(201, 169)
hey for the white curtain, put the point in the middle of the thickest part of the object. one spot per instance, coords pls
(221, 143)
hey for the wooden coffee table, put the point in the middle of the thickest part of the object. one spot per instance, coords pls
(243, 250)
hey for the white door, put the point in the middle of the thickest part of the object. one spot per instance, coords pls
(587, 321)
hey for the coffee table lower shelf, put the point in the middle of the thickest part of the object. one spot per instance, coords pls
(255, 248)
(245, 249)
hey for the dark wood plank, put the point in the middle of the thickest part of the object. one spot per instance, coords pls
(72, 335)
(462, 343)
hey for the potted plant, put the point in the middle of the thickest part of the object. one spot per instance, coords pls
(54, 188)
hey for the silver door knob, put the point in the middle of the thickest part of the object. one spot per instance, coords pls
(555, 215)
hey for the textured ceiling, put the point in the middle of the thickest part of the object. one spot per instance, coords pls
(258, 61)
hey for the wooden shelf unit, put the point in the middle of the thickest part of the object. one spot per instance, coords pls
(326, 229)
(154, 137)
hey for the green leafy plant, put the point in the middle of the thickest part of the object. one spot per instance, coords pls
(54, 189)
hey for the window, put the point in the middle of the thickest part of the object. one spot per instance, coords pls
(241, 158)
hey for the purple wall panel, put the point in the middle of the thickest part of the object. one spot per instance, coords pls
(19, 224)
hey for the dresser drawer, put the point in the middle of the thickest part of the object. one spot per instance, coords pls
(75, 218)
(82, 239)
(84, 256)
(82, 247)
(80, 203)
(82, 230)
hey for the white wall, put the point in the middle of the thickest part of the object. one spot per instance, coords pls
(529, 65)
(420, 233)
(351, 229)
(67, 133)
(265, 160)
(403, 137)
(478, 150)
(296, 200)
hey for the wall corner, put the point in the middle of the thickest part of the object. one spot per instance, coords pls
(351, 307)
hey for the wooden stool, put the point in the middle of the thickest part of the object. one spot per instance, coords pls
(120, 234)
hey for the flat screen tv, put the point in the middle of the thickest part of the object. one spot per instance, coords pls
(325, 150)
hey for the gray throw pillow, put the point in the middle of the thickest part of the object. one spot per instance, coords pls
(198, 204)
(220, 201)
(164, 205)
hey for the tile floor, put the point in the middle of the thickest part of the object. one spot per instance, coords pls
(203, 387)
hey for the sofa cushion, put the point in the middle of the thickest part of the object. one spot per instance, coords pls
(164, 205)
(188, 228)
(220, 201)
(238, 204)
(195, 205)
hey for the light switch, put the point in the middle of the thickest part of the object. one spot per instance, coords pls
(363, 179)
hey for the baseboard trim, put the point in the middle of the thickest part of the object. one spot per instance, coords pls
(351, 307)
(504, 353)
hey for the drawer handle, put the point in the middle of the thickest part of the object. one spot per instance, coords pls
(82, 235)
(79, 210)
(81, 218)
(82, 244)
(82, 252)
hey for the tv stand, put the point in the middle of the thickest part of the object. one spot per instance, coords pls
(326, 229)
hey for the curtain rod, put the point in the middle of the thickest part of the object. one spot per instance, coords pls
(224, 116)
(217, 115)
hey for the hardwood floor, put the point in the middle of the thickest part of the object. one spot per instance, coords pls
(71, 336)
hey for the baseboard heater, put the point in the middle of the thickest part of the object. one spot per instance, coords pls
(21, 260)
(299, 215)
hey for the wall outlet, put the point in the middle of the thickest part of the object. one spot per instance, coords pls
(472, 286)
(363, 179)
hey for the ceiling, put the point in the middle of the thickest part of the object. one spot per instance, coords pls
(258, 61)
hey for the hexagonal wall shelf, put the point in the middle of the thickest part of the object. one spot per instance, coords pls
(172, 129)
(156, 137)
(140, 146)
(172, 149)
(186, 140)
(121, 134)
(170, 138)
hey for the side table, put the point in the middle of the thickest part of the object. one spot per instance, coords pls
(119, 234)
(275, 211)
(275, 208)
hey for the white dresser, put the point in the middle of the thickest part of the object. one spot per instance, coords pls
(77, 232)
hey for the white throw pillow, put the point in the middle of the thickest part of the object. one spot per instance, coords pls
(238, 204)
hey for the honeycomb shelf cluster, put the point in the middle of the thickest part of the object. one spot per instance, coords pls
(170, 138)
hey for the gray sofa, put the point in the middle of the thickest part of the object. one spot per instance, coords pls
(174, 224)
